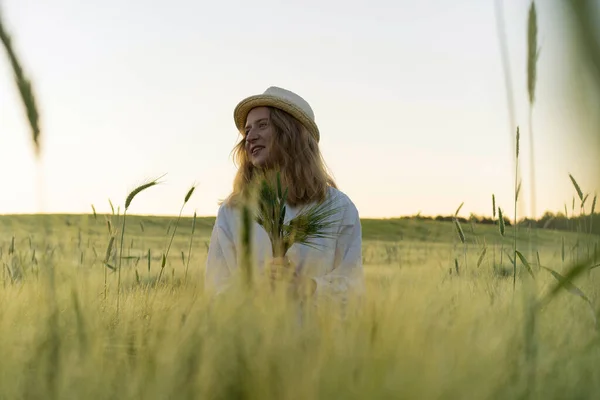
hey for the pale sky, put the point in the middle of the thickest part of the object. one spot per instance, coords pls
(409, 97)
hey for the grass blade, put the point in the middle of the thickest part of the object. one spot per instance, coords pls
(110, 266)
(525, 263)
(481, 256)
(532, 52)
(461, 234)
(109, 249)
(458, 209)
(567, 285)
(518, 142)
(185, 200)
(510, 258)
(565, 281)
(577, 188)
(24, 86)
(501, 221)
(190, 248)
(592, 214)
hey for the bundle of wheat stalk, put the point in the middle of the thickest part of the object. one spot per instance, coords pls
(311, 223)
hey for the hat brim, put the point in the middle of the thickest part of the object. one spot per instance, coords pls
(262, 100)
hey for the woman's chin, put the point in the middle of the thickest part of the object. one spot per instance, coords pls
(259, 162)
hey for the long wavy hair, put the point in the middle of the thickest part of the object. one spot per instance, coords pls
(295, 154)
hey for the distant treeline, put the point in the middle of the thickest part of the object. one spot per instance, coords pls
(586, 223)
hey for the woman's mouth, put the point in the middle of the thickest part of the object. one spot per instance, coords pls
(256, 150)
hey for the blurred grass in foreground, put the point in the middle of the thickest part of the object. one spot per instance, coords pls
(422, 331)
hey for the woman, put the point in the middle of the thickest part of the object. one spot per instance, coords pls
(278, 131)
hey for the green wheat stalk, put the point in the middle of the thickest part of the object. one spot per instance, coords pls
(185, 200)
(460, 231)
(481, 256)
(582, 200)
(502, 230)
(149, 261)
(190, 249)
(128, 201)
(592, 213)
(529, 326)
(514, 258)
(458, 209)
(565, 282)
(525, 263)
(586, 33)
(24, 86)
(109, 249)
(577, 187)
(504, 55)
(493, 218)
(532, 58)
(311, 223)
(456, 268)
(247, 238)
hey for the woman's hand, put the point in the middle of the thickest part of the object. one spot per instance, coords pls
(283, 271)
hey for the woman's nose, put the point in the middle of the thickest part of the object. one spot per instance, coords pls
(251, 136)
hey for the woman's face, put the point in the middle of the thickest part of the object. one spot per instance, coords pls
(259, 132)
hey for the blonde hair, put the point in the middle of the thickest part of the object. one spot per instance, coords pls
(295, 154)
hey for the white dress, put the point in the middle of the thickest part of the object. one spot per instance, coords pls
(335, 265)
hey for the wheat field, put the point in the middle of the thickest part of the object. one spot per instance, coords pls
(422, 330)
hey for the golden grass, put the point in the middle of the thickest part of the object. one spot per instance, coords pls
(421, 331)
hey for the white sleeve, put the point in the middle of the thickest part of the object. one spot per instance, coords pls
(347, 277)
(221, 259)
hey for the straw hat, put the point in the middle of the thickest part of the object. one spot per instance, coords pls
(282, 99)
